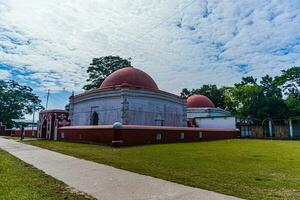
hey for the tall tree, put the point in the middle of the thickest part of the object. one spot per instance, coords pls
(248, 80)
(270, 87)
(245, 100)
(102, 67)
(16, 101)
(293, 106)
(290, 82)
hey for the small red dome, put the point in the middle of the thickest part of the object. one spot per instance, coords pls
(131, 77)
(199, 101)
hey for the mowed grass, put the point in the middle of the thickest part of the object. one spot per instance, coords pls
(21, 181)
(252, 169)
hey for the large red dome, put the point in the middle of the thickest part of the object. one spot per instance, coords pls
(199, 101)
(131, 77)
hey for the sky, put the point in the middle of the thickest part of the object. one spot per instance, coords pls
(180, 43)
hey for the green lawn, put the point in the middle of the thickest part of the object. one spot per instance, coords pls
(21, 181)
(252, 169)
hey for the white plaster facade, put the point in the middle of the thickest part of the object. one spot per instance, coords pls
(216, 122)
(132, 106)
(211, 118)
(206, 112)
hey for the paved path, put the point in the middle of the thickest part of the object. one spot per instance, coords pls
(102, 181)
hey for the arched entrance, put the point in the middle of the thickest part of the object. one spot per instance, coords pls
(44, 129)
(268, 128)
(294, 127)
(95, 119)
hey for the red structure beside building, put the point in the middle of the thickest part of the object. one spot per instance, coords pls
(50, 121)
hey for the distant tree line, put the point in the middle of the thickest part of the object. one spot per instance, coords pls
(275, 97)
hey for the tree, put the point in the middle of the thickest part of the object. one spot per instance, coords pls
(248, 80)
(244, 100)
(186, 92)
(290, 82)
(293, 106)
(211, 91)
(270, 87)
(102, 67)
(16, 101)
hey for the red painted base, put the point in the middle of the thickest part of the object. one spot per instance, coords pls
(17, 132)
(134, 135)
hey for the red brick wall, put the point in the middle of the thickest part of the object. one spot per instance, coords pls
(86, 135)
(17, 132)
(3, 132)
(132, 136)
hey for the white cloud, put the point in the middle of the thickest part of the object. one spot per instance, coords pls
(207, 42)
(4, 74)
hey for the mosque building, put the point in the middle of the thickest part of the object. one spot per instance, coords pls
(131, 97)
(129, 108)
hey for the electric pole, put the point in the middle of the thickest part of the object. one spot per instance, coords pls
(35, 100)
(33, 120)
(48, 94)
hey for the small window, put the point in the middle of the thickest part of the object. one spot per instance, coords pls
(62, 135)
(158, 136)
(159, 121)
(200, 134)
(182, 136)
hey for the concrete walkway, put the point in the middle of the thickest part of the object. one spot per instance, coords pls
(102, 181)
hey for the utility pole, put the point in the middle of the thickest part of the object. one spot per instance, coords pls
(48, 94)
(33, 121)
(35, 100)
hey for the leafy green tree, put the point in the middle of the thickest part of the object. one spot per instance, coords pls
(16, 101)
(102, 67)
(270, 87)
(211, 91)
(244, 100)
(293, 106)
(290, 82)
(274, 104)
(249, 80)
(186, 92)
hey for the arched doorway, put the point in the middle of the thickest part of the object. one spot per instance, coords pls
(95, 119)
(268, 128)
(44, 129)
(294, 127)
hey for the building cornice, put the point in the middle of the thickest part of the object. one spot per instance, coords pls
(127, 91)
